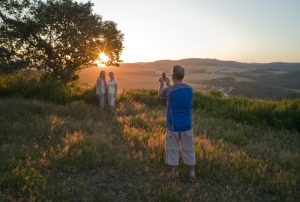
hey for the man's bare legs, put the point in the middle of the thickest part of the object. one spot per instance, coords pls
(174, 174)
(192, 174)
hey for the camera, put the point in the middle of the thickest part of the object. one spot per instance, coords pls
(164, 76)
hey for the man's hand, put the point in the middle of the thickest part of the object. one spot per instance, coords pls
(168, 81)
(161, 81)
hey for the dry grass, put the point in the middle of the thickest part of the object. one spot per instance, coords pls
(73, 152)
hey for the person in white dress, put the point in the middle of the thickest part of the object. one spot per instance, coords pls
(101, 88)
(112, 91)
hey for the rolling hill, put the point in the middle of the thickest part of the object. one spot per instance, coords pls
(256, 80)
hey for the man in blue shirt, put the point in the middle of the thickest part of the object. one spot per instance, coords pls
(179, 133)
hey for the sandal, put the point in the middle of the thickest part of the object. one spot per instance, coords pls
(192, 176)
(174, 176)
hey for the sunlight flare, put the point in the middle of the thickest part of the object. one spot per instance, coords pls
(103, 58)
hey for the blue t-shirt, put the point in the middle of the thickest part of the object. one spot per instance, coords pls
(179, 107)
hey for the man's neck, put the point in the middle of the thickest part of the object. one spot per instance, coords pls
(177, 82)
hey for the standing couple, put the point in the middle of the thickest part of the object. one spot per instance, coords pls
(107, 90)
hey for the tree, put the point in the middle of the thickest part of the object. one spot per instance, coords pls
(11, 28)
(60, 36)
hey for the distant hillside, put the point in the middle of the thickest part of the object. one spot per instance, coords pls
(221, 63)
(257, 80)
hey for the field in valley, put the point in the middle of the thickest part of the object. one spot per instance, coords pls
(264, 81)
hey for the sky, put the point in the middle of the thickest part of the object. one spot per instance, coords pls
(240, 30)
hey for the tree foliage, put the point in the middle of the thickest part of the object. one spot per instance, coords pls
(60, 36)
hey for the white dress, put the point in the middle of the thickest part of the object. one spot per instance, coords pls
(111, 84)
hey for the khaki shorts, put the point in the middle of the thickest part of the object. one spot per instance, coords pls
(183, 141)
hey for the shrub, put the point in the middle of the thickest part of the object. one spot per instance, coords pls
(147, 97)
(89, 96)
(277, 114)
(18, 85)
(215, 93)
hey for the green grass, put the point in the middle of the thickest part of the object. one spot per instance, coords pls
(57, 152)
(22, 85)
(283, 114)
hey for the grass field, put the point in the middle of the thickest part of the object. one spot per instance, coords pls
(73, 152)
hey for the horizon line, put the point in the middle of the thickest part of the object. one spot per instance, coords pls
(290, 62)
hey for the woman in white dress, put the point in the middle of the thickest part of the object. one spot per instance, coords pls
(112, 91)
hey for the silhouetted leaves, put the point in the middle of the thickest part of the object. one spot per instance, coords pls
(59, 36)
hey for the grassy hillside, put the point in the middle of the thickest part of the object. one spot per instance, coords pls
(72, 151)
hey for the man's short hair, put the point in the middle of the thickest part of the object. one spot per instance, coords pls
(178, 72)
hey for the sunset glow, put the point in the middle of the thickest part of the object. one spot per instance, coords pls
(103, 58)
(246, 31)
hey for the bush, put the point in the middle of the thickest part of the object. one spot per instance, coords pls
(22, 85)
(147, 97)
(277, 114)
(29, 87)
(215, 93)
(88, 96)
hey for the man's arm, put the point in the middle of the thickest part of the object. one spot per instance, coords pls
(163, 92)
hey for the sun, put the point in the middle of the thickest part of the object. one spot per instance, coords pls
(102, 58)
